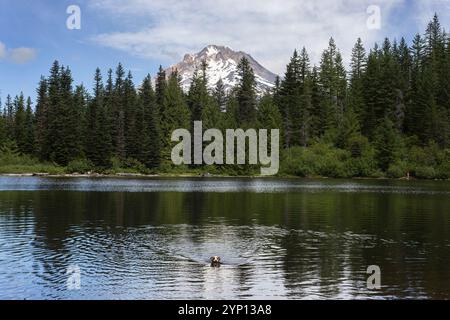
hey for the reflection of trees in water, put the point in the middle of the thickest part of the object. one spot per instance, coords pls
(318, 238)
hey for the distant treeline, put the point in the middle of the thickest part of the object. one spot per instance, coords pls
(389, 115)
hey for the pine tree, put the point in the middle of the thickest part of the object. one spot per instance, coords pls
(132, 130)
(414, 111)
(56, 115)
(390, 86)
(109, 110)
(317, 115)
(2, 126)
(9, 118)
(29, 144)
(20, 123)
(198, 94)
(81, 100)
(98, 146)
(296, 99)
(229, 119)
(435, 42)
(269, 117)
(117, 114)
(333, 85)
(356, 89)
(434, 123)
(246, 94)
(387, 143)
(63, 142)
(203, 106)
(373, 99)
(91, 118)
(160, 87)
(151, 135)
(68, 146)
(438, 67)
(403, 94)
(220, 95)
(104, 137)
(277, 93)
(289, 99)
(350, 129)
(175, 113)
(42, 125)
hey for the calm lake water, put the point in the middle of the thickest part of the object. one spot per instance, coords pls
(152, 238)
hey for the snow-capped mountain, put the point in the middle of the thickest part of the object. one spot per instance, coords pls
(222, 64)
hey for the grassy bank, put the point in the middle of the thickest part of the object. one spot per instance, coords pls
(318, 160)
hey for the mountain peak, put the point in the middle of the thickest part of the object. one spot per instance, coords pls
(222, 62)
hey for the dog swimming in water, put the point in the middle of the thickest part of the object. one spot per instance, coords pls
(215, 261)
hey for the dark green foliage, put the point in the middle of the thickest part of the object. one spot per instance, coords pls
(387, 143)
(269, 116)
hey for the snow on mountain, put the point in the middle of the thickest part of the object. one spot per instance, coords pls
(222, 64)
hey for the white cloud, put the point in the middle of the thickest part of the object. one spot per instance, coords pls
(22, 55)
(268, 30)
(17, 55)
(2, 50)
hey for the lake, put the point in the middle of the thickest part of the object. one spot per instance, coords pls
(132, 238)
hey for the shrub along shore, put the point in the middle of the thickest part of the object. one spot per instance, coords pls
(319, 160)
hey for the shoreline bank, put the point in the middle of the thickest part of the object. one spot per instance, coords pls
(196, 175)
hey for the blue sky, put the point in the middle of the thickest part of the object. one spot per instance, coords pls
(145, 33)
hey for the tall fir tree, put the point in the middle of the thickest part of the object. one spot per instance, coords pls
(289, 99)
(72, 142)
(20, 123)
(414, 111)
(151, 134)
(133, 143)
(9, 118)
(356, 88)
(29, 143)
(42, 120)
(220, 95)
(118, 114)
(333, 85)
(2, 125)
(98, 146)
(246, 94)
(160, 87)
(175, 113)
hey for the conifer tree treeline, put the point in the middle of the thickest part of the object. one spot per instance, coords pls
(393, 96)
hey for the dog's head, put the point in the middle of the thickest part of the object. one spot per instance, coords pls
(215, 260)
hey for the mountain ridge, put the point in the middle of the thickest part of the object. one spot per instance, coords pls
(222, 62)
